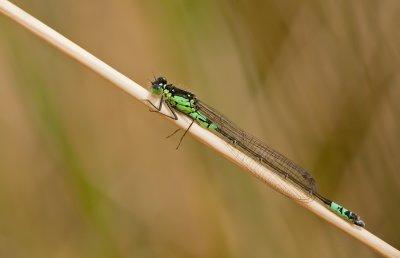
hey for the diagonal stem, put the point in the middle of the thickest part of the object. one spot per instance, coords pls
(118, 79)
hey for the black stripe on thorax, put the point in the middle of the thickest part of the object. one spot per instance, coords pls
(176, 91)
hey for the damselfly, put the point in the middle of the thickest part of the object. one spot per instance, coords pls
(187, 103)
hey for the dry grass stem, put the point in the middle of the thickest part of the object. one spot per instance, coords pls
(70, 48)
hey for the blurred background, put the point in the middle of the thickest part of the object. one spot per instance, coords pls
(86, 171)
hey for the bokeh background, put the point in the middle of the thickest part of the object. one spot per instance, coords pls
(86, 171)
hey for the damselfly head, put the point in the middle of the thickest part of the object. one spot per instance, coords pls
(158, 85)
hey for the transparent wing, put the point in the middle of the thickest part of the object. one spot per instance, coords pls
(277, 162)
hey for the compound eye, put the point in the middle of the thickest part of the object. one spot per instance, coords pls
(161, 80)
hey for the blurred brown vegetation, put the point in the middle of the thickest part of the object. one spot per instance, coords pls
(86, 171)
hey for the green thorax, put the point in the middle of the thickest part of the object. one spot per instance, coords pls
(185, 102)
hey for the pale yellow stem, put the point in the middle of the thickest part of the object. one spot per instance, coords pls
(205, 136)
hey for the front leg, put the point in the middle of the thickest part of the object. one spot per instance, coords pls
(158, 109)
(155, 107)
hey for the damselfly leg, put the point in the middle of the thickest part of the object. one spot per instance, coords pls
(183, 136)
(158, 109)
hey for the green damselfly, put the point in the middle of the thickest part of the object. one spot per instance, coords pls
(187, 103)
